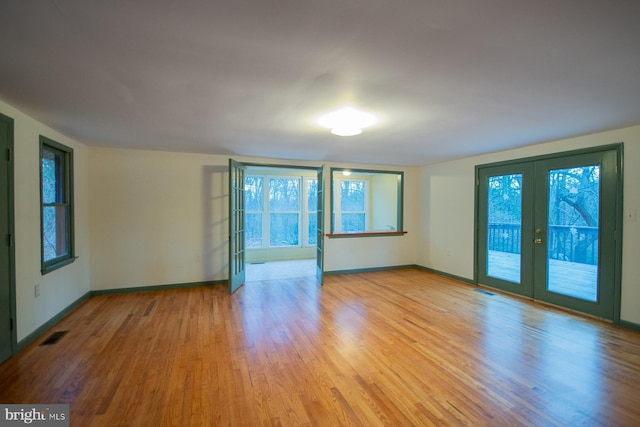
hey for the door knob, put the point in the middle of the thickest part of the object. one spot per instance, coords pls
(537, 241)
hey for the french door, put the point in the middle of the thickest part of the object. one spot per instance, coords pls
(237, 225)
(548, 229)
(320, 228)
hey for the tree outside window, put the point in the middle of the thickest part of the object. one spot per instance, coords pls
(56, 182)
(284, 211)
(352, 206)
(278, 209)
(312, 211)
(253, 192)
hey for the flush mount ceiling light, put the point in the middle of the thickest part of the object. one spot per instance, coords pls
(347, 121)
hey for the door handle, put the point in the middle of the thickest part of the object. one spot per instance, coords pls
(537, 241)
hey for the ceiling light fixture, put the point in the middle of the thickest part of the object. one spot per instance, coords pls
(347, 121)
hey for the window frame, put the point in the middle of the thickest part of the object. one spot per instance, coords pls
(302, 212)
(66, 174)
(399, 231)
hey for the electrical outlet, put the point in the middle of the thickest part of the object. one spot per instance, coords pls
(36, 290)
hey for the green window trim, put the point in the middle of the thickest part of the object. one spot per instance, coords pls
(57, 247)
(392, 226)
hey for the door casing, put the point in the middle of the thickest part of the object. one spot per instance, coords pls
(8, 332)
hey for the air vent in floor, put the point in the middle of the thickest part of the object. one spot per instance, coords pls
(54, 338)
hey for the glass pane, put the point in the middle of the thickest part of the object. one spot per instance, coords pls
(51, 182)
(253, 230)
(504, 213)
(284, 194)
(312, 195)
(283, 229)
(312, 208)
(253, 187)
(353, 223)
(572, 231)
(313, 229)
(352, 196)
(54, 232)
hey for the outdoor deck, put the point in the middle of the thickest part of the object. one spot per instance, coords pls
(565, 277)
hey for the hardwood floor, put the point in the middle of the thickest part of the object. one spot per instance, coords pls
(401, 347)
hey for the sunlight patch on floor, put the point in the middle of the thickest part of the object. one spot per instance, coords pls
(280, 270)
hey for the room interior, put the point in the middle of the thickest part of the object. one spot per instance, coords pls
(154, 98)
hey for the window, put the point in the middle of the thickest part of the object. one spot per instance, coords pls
(253, 193)
(365, 202)
(284, 211)
(278, 209)
(56, 204)
(352, 206)
(312, 211)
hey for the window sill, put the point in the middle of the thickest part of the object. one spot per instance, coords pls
(57, 265)
(366, 234)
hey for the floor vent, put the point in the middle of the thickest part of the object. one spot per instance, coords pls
(482, 291)
(54, 338)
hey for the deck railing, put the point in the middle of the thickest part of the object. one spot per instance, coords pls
(566, 242)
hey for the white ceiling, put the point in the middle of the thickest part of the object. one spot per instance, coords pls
(448, 78)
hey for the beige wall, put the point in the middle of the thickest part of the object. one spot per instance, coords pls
(161, 218)
(384, 191)
(447, 204)
(62, 287)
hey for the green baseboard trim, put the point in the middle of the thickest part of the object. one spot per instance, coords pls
(630, 325)
(33, 336)
(445, 274)
(157, 287)
(401, 267)
(368, 270)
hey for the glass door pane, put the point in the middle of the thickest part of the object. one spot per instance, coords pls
(320, 226)
(572, 231)
(504, 227)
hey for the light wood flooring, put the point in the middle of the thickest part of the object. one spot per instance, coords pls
(402, 347)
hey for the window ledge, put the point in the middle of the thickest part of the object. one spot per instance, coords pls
(367, 234)
(57, 265)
